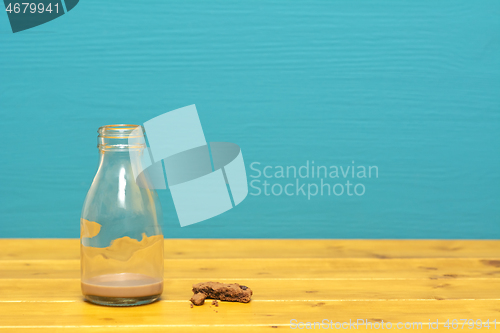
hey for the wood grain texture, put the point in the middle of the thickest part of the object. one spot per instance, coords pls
(196, 328)
(390, 281)
(18, 249)
(68, 290)
(282, 268)
(237, 314)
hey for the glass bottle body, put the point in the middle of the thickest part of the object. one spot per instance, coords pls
(121, 238)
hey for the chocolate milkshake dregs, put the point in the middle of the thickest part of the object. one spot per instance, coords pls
(121, 237)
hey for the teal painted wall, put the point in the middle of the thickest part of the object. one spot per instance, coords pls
(412, 87)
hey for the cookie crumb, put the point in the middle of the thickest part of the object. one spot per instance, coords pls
(191, 305)
(214, 302)
(198, 298)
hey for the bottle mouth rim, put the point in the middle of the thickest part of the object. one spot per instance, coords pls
(119, 131)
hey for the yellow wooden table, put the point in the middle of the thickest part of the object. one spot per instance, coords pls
(294, 281)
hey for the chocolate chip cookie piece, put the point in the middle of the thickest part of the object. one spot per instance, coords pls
(232, 292)
(198, 298)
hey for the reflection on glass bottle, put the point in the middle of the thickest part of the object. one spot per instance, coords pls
(121, 238)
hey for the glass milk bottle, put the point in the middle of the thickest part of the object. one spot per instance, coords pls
(121, 238)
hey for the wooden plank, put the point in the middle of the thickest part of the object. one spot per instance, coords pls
(207, 329)
(197, 329)
(68, 290)
(355, 268)
(19, 249)
(318, 248)
(15, 249)
(171, 314)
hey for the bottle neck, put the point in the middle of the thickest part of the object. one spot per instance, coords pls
(121, 156)
(118, 145)
(116, 139)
